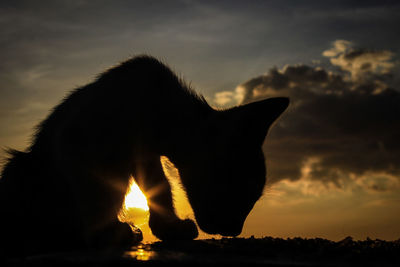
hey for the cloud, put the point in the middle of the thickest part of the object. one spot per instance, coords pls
(363, 65)
(223, 98)
(339, 46)
(341, 127)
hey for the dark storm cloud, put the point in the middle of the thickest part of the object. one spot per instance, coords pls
(341, 124)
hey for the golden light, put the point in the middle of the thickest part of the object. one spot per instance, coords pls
(135, 198)
(141, 253)
(136, 209)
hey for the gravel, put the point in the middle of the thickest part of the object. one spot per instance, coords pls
(265, 251)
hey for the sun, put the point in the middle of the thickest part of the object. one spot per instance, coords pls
(135, 198)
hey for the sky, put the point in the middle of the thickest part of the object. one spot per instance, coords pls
(332, 158)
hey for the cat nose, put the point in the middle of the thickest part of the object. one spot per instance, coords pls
(209, 230)
(224, 229)
(230, 232)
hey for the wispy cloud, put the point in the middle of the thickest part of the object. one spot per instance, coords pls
(363, 65)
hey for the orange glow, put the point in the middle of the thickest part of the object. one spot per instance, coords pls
(135, 198)
(141, 253)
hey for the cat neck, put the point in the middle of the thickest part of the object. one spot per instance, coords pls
(185, 129)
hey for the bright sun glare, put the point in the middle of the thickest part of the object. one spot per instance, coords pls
(135, 198)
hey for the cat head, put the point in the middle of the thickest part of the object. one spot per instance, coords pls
(224, 173)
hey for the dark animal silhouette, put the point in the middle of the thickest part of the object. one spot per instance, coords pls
(66, 190)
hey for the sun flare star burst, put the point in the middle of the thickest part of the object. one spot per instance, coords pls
(135, 198)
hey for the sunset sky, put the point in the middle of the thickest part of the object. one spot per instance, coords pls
(333, 159)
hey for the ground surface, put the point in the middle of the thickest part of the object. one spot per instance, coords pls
(236, 251)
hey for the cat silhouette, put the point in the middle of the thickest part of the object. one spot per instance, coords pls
(66, 190)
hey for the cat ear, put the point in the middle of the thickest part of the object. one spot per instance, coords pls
(253, 120)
